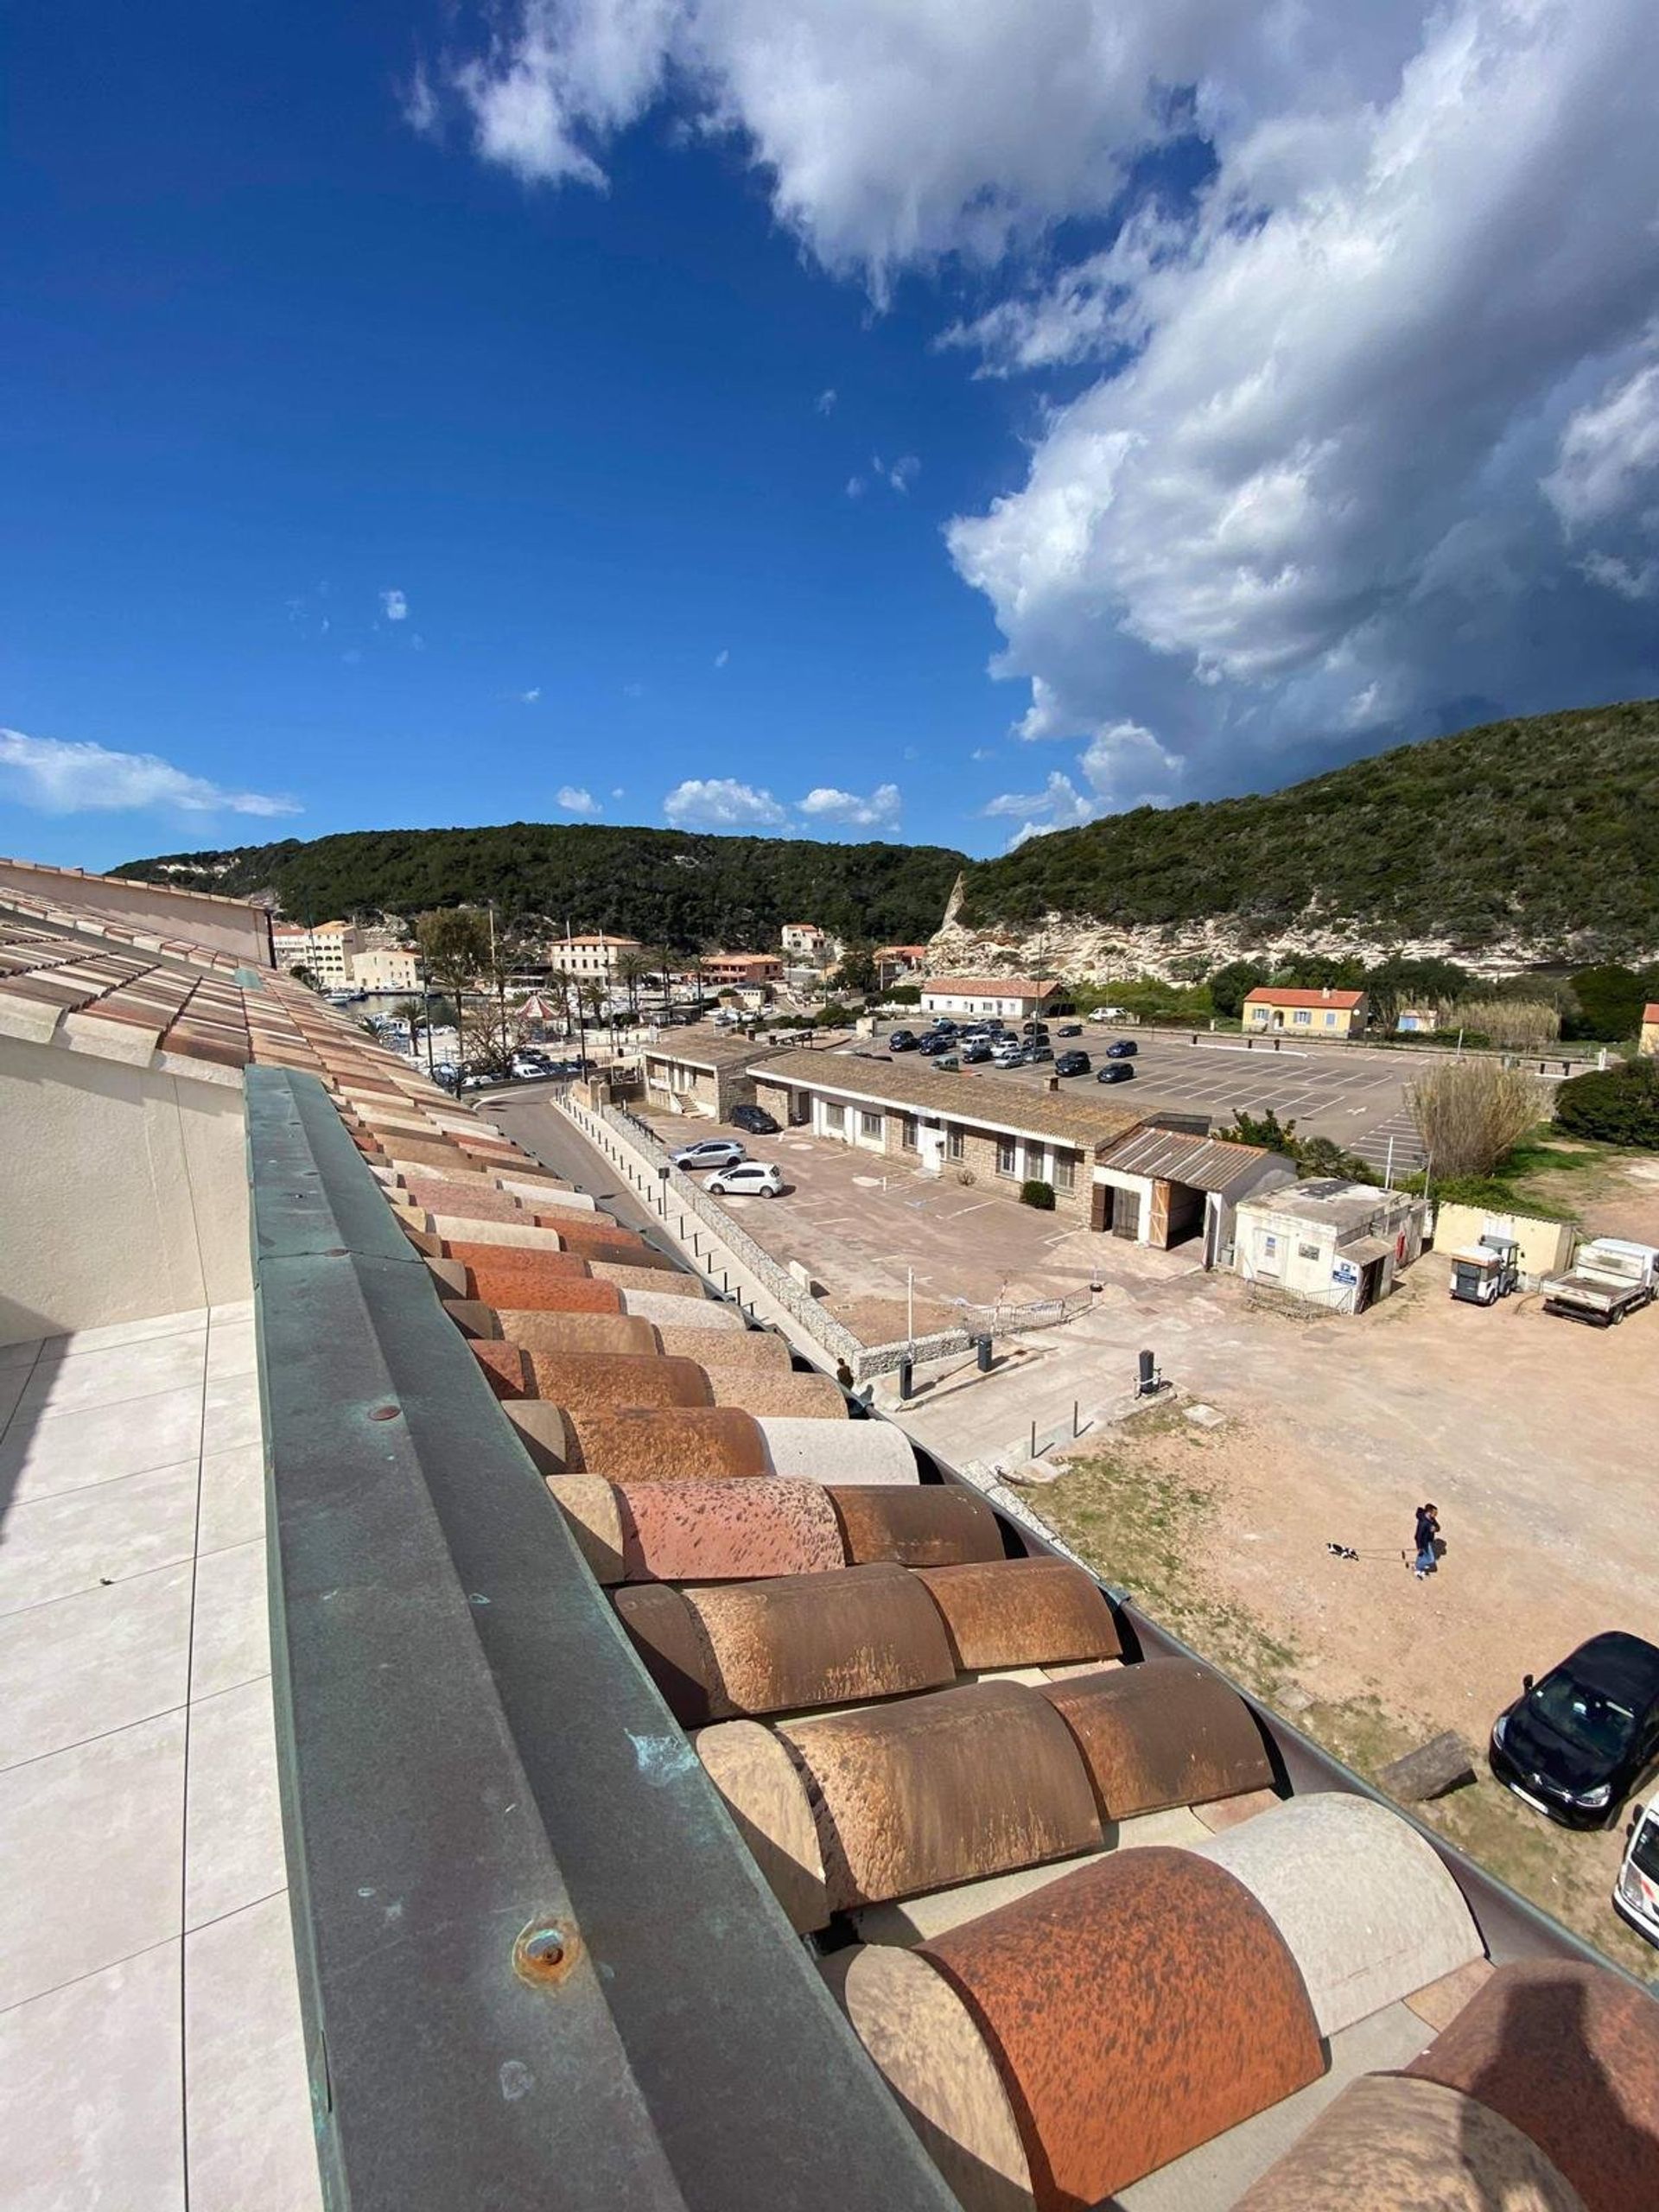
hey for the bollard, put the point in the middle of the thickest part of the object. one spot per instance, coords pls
(906, 1376)
(983, 1346)
(1146, 1382)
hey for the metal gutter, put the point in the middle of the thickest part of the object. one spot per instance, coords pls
(472, 1758)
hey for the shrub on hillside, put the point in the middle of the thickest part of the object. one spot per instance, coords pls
(1609, 1000)
(1469, 1113)
(1619, 1105)
(1037, 1194)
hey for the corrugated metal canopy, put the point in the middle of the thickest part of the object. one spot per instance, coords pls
(1205, 1163)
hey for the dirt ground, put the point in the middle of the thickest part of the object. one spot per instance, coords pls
(1223, 1533)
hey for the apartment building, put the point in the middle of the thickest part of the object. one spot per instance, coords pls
(736, 970)
(386, 968)
(328, 950)
(591, 959)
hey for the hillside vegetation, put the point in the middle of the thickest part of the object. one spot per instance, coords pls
(1544, 830)
(662, 886)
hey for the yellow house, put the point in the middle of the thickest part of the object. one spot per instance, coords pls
(1325, 1013)
(1651, 1028)
(1423, 1019)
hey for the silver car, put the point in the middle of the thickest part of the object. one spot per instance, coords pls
(713, 1151)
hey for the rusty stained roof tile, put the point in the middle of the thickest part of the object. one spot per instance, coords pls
(1569, 2055)
(1024, 1613)
(677, 1444)
(786, 1644)
(942, 1788)
(1168, 1731)
(726, 1531)
(1136, 2009)
(927, 1526)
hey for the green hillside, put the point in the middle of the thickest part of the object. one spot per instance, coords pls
(1546, 829)
(662, 886)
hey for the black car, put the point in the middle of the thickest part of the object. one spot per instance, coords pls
(1034, 1029)
(1114, 1071)
(1072, 1064)
(1070, 1029)
(902, 1040)
(754, 1120)
(1575, 1742)
(931, 1046)
(943, 1026)
(1121, 1048)
(973, 1053)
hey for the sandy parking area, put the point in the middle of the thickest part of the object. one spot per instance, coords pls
(1534, 1436)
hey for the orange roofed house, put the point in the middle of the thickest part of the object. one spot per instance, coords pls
(1325, 1012)
(1651, 1028)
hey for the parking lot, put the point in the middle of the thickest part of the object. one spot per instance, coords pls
(1354, 1096)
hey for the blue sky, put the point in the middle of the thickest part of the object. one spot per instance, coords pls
(408, 417)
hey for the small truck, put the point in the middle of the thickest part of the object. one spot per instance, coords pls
(1609, 1279)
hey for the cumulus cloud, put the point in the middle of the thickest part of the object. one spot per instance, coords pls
(721, 803)
(574, 800)
(1357, 432)
(394, 606)
(60, 777)
(826, 401)
(1123, 766)
(879, 811)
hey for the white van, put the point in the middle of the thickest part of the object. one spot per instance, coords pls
(1636, 1893)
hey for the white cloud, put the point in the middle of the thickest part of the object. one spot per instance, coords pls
(1358, 433)
(1123, 766)
(574, 800)
(529, 698)
(633, 690)
(722, 657)
(880, 811)
(618, 792)
(983, 752)
(721, 803)
(58, 777)
(395, 606)
(826, 401)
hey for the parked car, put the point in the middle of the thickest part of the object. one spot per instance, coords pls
(1114, 1071)
(527, 1067)
(1072, 1064)
(754, 1119)
(1034, 1029)
(974, 1054)
(930, 1047)
(1636, 1893)
(1008, 1054)
(750, 1179)
(1575, 1742)
(712, 1152)
(1070, 1029)
(902, 1040)
(1122, 1048)
(1038, 1049)
(946, 1060)
(942, 1026)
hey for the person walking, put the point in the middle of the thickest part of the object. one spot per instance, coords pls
(1428, 1528)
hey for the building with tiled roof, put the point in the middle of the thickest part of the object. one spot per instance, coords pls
(1325, 1013)
(699, 1070)
(541, 1750)
(738, 970)
(947, 1121)
(1649, 1042)
(1007, 997)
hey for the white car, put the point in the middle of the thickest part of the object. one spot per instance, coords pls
(1007, 1054)
(713, 1151)
(750, 1179)
(1636, 1893)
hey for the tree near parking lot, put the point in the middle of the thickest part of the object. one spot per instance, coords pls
(1471, 1113)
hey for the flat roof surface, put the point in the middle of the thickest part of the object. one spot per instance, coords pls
(696, 1048)
(1349, 1205)
(958, 1095)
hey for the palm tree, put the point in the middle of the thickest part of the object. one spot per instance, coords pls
(595, 996)
(412, 1011)
(631, 968)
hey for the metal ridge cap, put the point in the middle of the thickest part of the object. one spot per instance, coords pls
(469, 1748)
